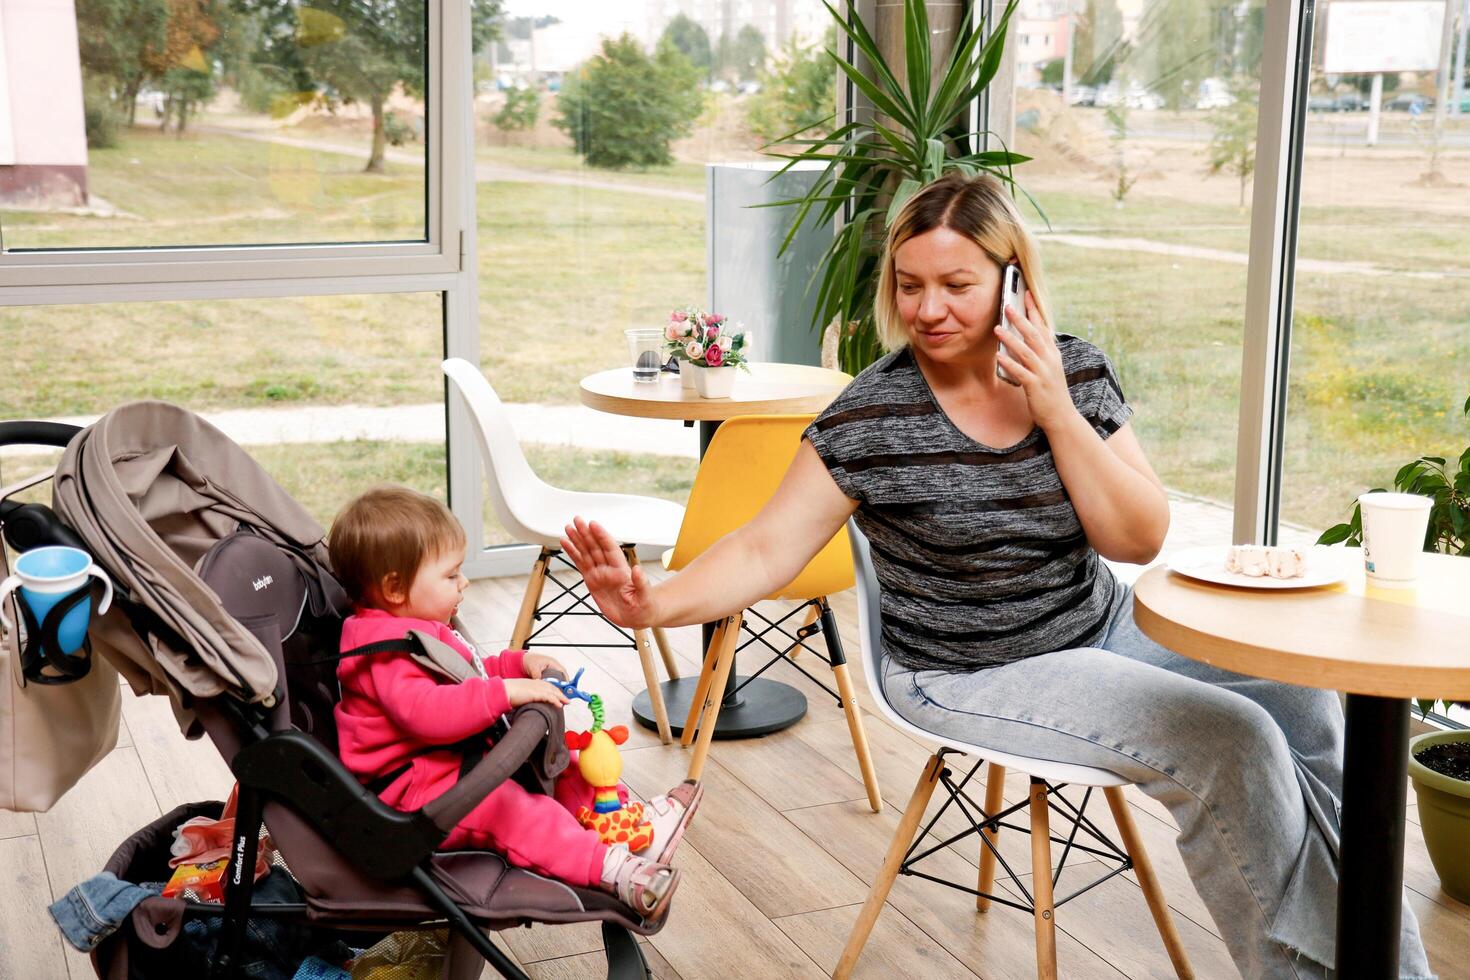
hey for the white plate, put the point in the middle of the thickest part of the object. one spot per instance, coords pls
(1325, 566)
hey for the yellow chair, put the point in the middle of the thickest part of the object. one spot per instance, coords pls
(740, 471)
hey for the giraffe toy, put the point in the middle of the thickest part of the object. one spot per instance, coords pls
(601, 765)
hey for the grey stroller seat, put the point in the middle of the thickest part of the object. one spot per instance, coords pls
(226, 604)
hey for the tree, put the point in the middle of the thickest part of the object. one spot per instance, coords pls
(113, 37)
(748, 53)
(1098, 44)
(691, 40)
(358, 50)
(1051, 72)
(1233, 145)
(126, 44)
(521, 110)
(181, 66)
(622, 108)
(799, 91)
(1176, 43)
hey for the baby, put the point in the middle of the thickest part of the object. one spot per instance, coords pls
(405, 733)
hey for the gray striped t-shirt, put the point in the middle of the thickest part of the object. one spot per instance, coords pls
(979, 551)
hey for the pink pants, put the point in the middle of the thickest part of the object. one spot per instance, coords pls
(537, 832)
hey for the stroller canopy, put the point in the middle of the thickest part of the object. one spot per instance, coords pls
(151, 488)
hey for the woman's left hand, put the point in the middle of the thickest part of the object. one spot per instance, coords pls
(537, 664)
(1031, 357)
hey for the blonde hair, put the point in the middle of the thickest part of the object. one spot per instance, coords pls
(389, 531)
(977, 207)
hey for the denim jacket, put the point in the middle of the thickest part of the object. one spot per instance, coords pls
(93, 910)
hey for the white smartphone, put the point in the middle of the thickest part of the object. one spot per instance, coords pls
(1013, 294)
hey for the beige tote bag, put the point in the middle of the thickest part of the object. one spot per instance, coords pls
(50, 734)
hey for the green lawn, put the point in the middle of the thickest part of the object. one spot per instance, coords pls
(1378, 365)
(680, 176)
(206, 189)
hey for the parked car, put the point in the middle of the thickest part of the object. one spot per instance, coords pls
(152, 99)
(1352, 102)
(1084, 95)
(1213, 93)
(1138, 97)
(1321, 103)
(1409, 102)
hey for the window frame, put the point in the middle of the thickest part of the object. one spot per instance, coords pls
(448, 80)
(446, 263)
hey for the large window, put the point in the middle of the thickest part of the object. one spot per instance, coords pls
(1379, 374)
(1141, 120)
(252, 209)
(593, 132)
(147, 123)
(332, 394)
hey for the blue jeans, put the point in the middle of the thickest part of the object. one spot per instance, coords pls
(1250, 769)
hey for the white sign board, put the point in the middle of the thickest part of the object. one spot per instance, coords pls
(1365, 36)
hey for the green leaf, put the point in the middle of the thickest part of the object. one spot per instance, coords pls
(1335, 534)
(957, 72)
(934, 160)
(881, 100)
(857, 31)
(900, 197)
(994, 47)
(917, 59)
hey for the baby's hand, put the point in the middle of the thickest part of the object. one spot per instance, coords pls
(537, 664)
(521, 691)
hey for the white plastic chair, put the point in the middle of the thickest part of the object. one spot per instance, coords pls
(1047, 780)
(536, 512)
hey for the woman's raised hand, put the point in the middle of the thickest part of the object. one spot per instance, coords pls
(623, 594)
(1032, 357)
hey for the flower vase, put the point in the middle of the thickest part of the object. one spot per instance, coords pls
(686, 375)
(713, 382)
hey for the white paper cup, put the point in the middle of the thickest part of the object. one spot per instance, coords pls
(1394, 525)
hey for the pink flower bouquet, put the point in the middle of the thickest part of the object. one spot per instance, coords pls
(705, 339)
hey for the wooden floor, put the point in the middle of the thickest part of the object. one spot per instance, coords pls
(775, 867)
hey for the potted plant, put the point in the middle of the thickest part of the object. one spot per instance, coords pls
(1439, 762)
(918, 131)
(708, 348)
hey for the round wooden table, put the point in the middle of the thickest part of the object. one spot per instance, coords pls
(751, 706)
(1382, 647)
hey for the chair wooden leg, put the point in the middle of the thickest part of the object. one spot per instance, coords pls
(995, 778)
(667, 652)
(650, 677)
(908, 825)
(715, 695)
(527, 616)
(1148, 881)
(813, 613)
(701, 688)
(859, 737)
(1041, 895)
(664, 650)
(850, 705)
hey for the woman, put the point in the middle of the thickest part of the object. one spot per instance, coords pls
(987, 506)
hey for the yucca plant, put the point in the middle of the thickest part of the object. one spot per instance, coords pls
(873, 166)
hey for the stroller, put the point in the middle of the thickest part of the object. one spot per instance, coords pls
(225, 602)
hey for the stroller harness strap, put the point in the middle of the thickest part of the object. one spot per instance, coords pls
(416, 645)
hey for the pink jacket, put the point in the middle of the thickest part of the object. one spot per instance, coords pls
(392, 709)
